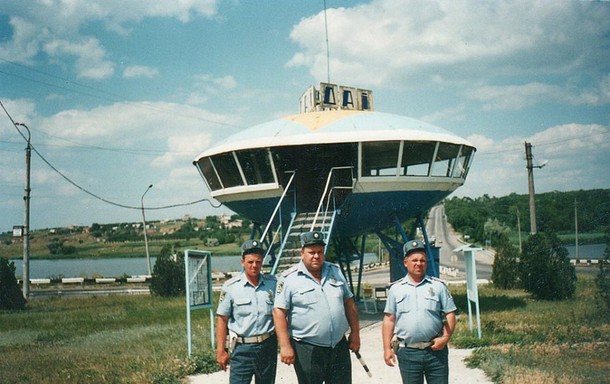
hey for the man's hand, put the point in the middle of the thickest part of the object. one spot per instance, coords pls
(222, 357)
(389, 357)
(287, 354)
(439, 343)
(354, 341)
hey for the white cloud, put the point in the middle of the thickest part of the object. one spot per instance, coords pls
(56, 27)
(415, 43)
(140, 71)
(577, 156)
(90, 57)
(205, 85)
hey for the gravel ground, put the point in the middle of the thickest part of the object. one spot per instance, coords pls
(372, 353)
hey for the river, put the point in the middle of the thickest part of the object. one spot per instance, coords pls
(115, 267)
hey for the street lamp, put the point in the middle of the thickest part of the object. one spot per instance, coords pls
(144, 223)
(26, 220)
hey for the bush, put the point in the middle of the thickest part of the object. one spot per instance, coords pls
(505, 269)
(168, 274)
(602, 280)
(11, 296)
(545, 269)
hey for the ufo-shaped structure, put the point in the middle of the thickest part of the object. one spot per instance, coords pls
(338, 167)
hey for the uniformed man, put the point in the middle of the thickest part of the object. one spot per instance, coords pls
(245, 309)
(421, 313)
(314, 308)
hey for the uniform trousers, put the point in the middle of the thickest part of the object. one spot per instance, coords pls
(258, 359)
(315, 365)
(416, 363)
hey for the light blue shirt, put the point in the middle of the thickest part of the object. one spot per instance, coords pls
(419, 308)
(315, 310)
(249, 308)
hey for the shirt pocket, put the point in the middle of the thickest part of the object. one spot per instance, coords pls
(403, 304)
(305, 296)
(432, 304)
(242, 306)
(337, 289)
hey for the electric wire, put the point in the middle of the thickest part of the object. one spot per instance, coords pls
(101, 94)
(91, 193)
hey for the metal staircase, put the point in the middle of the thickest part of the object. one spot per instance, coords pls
(282, 255)
(290, 251)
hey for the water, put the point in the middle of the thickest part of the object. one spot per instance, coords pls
(115, 267)
(587, 251)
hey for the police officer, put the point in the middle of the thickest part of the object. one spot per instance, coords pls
(314, 308)
(245, 309)
(421, 312)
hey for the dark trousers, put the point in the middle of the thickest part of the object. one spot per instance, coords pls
(316, 365)
(416, 363)
(258, 359)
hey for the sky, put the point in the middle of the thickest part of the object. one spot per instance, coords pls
(121, 94)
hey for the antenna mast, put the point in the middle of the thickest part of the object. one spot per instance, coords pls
(327, 47)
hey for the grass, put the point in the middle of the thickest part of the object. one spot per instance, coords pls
(118, 339)
(142, 339)
(524, 340)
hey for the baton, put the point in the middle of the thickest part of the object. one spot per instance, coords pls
(361, 360)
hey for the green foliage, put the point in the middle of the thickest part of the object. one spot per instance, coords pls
(602, 280)
(545, 270)
(168, 274)
(555, 212)
(58, 247)
(505, 267)
(10, 294)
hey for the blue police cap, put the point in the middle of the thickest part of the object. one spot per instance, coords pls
(311, 238)
(412, 246)
(252, 246)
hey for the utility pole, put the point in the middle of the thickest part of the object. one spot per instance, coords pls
(148, 268)
(576, 230)
(519, 229)
(26, 219)
(530, 181)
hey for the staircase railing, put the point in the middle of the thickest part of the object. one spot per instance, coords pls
(329, 194)
(274, 214)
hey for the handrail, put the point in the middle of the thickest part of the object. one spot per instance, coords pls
(277, 207)
(327, 191)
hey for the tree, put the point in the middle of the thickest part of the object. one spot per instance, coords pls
(11, 296)
(545, 269)
(602, 280)
(505, 268)
(168, 274)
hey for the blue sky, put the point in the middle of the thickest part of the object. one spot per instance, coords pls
(122, 94)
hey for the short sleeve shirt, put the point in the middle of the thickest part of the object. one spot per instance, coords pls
(315, 310)
(419, 308)
(249, 308)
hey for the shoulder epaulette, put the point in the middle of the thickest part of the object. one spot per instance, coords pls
(233, 280)
(437, 279)
(290, 270)
(396, 281)
(270, 276)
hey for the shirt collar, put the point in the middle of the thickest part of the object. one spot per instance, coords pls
(301, 268)
(244, 280)
(407, 280)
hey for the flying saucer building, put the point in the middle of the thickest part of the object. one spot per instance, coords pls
(338, 167)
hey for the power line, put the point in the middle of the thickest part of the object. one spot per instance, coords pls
(93, 194)
(101, 94)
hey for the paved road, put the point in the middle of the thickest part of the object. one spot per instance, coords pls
(448, 240)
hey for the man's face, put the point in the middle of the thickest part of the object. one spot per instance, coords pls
(416, 264)
(252, 263)
(313, 257)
